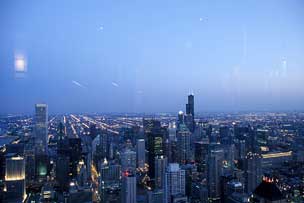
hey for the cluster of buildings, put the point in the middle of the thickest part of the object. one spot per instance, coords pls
(188, 158)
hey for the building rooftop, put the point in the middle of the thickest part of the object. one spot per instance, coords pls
(6, 139)
(173, 167)
(268, 190)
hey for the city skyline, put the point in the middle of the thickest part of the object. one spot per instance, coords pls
(181, 158)
(106, 56)
(162, 101)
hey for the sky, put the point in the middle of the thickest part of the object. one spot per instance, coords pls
(83, 56)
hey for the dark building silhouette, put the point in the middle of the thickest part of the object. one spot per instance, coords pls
(155, 146)
(267, 192)
(189, 118)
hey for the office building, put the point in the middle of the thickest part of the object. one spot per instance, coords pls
(141, 153)
(175, 183)
(155, 147)
(253, 173)
(214, 172)
(183, 142)
(160, 169)
(14, 178)
(128, 160)
(128, 190)
(189, 118)
(41, 128)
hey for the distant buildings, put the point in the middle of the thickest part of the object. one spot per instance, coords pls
(93, 158)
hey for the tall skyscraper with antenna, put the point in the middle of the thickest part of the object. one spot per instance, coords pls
(189, 118)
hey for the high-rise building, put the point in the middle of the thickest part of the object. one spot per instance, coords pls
(189, 118)
(42, 166)
(200, 155)
(75, 155)
(128, 191)
(175, 183)
(14, 178)
(104, 145)
(214, 172)
(160, 169)
(128, 160)
(41, 128)
(61, 131)
(155, 137)
(183, 142)
(29, 156)
(180, 118)
(128, 133)
(110, 171)
(109, 181)
(190, 105)
(62, 171)
(253, 173)
(141, 153)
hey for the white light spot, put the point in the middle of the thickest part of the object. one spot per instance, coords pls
(115, 84)
(20, 63)
(78, 84)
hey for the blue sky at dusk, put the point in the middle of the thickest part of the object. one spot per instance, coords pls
(146, 56)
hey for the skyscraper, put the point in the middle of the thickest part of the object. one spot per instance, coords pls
(253, 173)
(200, 155)
(160, 169)
(214, 172)
(62, 171)
(128, 187)
(14, 178)
(141, 153)
(175, 183)
(41, 128)
(189, 118)
(183, 142)
(190, 105)
(180, 118)
(104, 144)
(110, 174)
(128, 160)
(154, 134)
